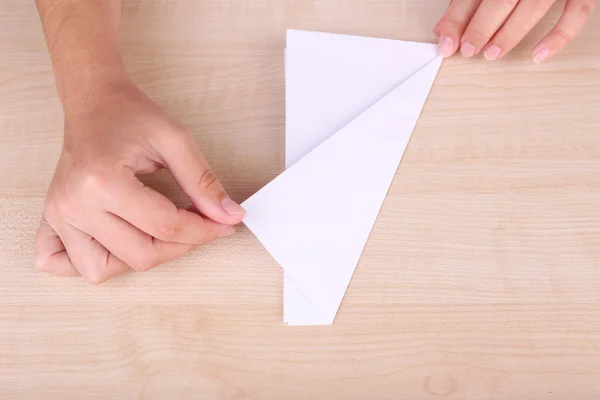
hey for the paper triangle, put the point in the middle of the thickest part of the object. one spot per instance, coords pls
(315, 217)
(331, 78)
(365, 67)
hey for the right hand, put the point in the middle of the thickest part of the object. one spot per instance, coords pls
(99, 220)
(495, 27)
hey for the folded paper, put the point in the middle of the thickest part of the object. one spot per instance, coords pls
(351, 106)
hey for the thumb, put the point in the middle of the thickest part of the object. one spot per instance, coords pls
(197, 180)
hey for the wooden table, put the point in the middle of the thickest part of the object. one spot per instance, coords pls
(481, 279)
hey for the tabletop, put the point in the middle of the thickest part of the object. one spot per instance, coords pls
(481, 277)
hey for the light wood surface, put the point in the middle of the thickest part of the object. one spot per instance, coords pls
(481, 279)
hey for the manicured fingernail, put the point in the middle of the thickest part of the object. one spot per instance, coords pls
(226, 230)
(541, 55)
(467, 49)
(232, 207)
(492, 53)
(446, 47)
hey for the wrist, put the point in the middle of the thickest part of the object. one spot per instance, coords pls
(83, 42)
(85, 89)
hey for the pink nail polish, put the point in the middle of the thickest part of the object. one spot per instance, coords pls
(446, 47)
(232, 207)
(467, 49)
(492, 53)
(541, 55)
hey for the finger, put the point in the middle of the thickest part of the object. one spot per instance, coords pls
(575, 16)
(487, 20)
(157, 216)
(454, 23)
(50, 253)
(137, 249)
(93, 261)
(438, 25)
(195, 177)
(523, 19)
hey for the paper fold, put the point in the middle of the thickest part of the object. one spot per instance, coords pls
(315, 218)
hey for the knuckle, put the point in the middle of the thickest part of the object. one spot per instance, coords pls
(144, 262)
(77, 191)
(504, 39)
(586, 8)
(452, 26)
(563, 35)
(166, 233)
(96, 274)
(63, 202)
(93, 182)
(94, 270)
(96, 277)
(69, 207)
(42, 263)
(208, 179)
(52, 207)
(475, 37)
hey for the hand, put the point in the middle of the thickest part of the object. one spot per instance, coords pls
(497, 26)
(99, 219)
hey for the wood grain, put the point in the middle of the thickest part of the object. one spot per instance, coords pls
(481, 279)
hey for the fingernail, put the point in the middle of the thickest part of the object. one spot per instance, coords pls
(541, 55)
(492, 53)
(226, 230)
(446, 47)
(232, 207)
(467, 49)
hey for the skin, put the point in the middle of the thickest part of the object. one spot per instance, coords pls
(99, 220)
(495, 27)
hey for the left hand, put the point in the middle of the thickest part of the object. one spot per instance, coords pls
(99, 218)
(495, 27)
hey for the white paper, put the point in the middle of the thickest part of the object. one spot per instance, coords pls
(315, 218)
(320, 99)
(337, 78)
